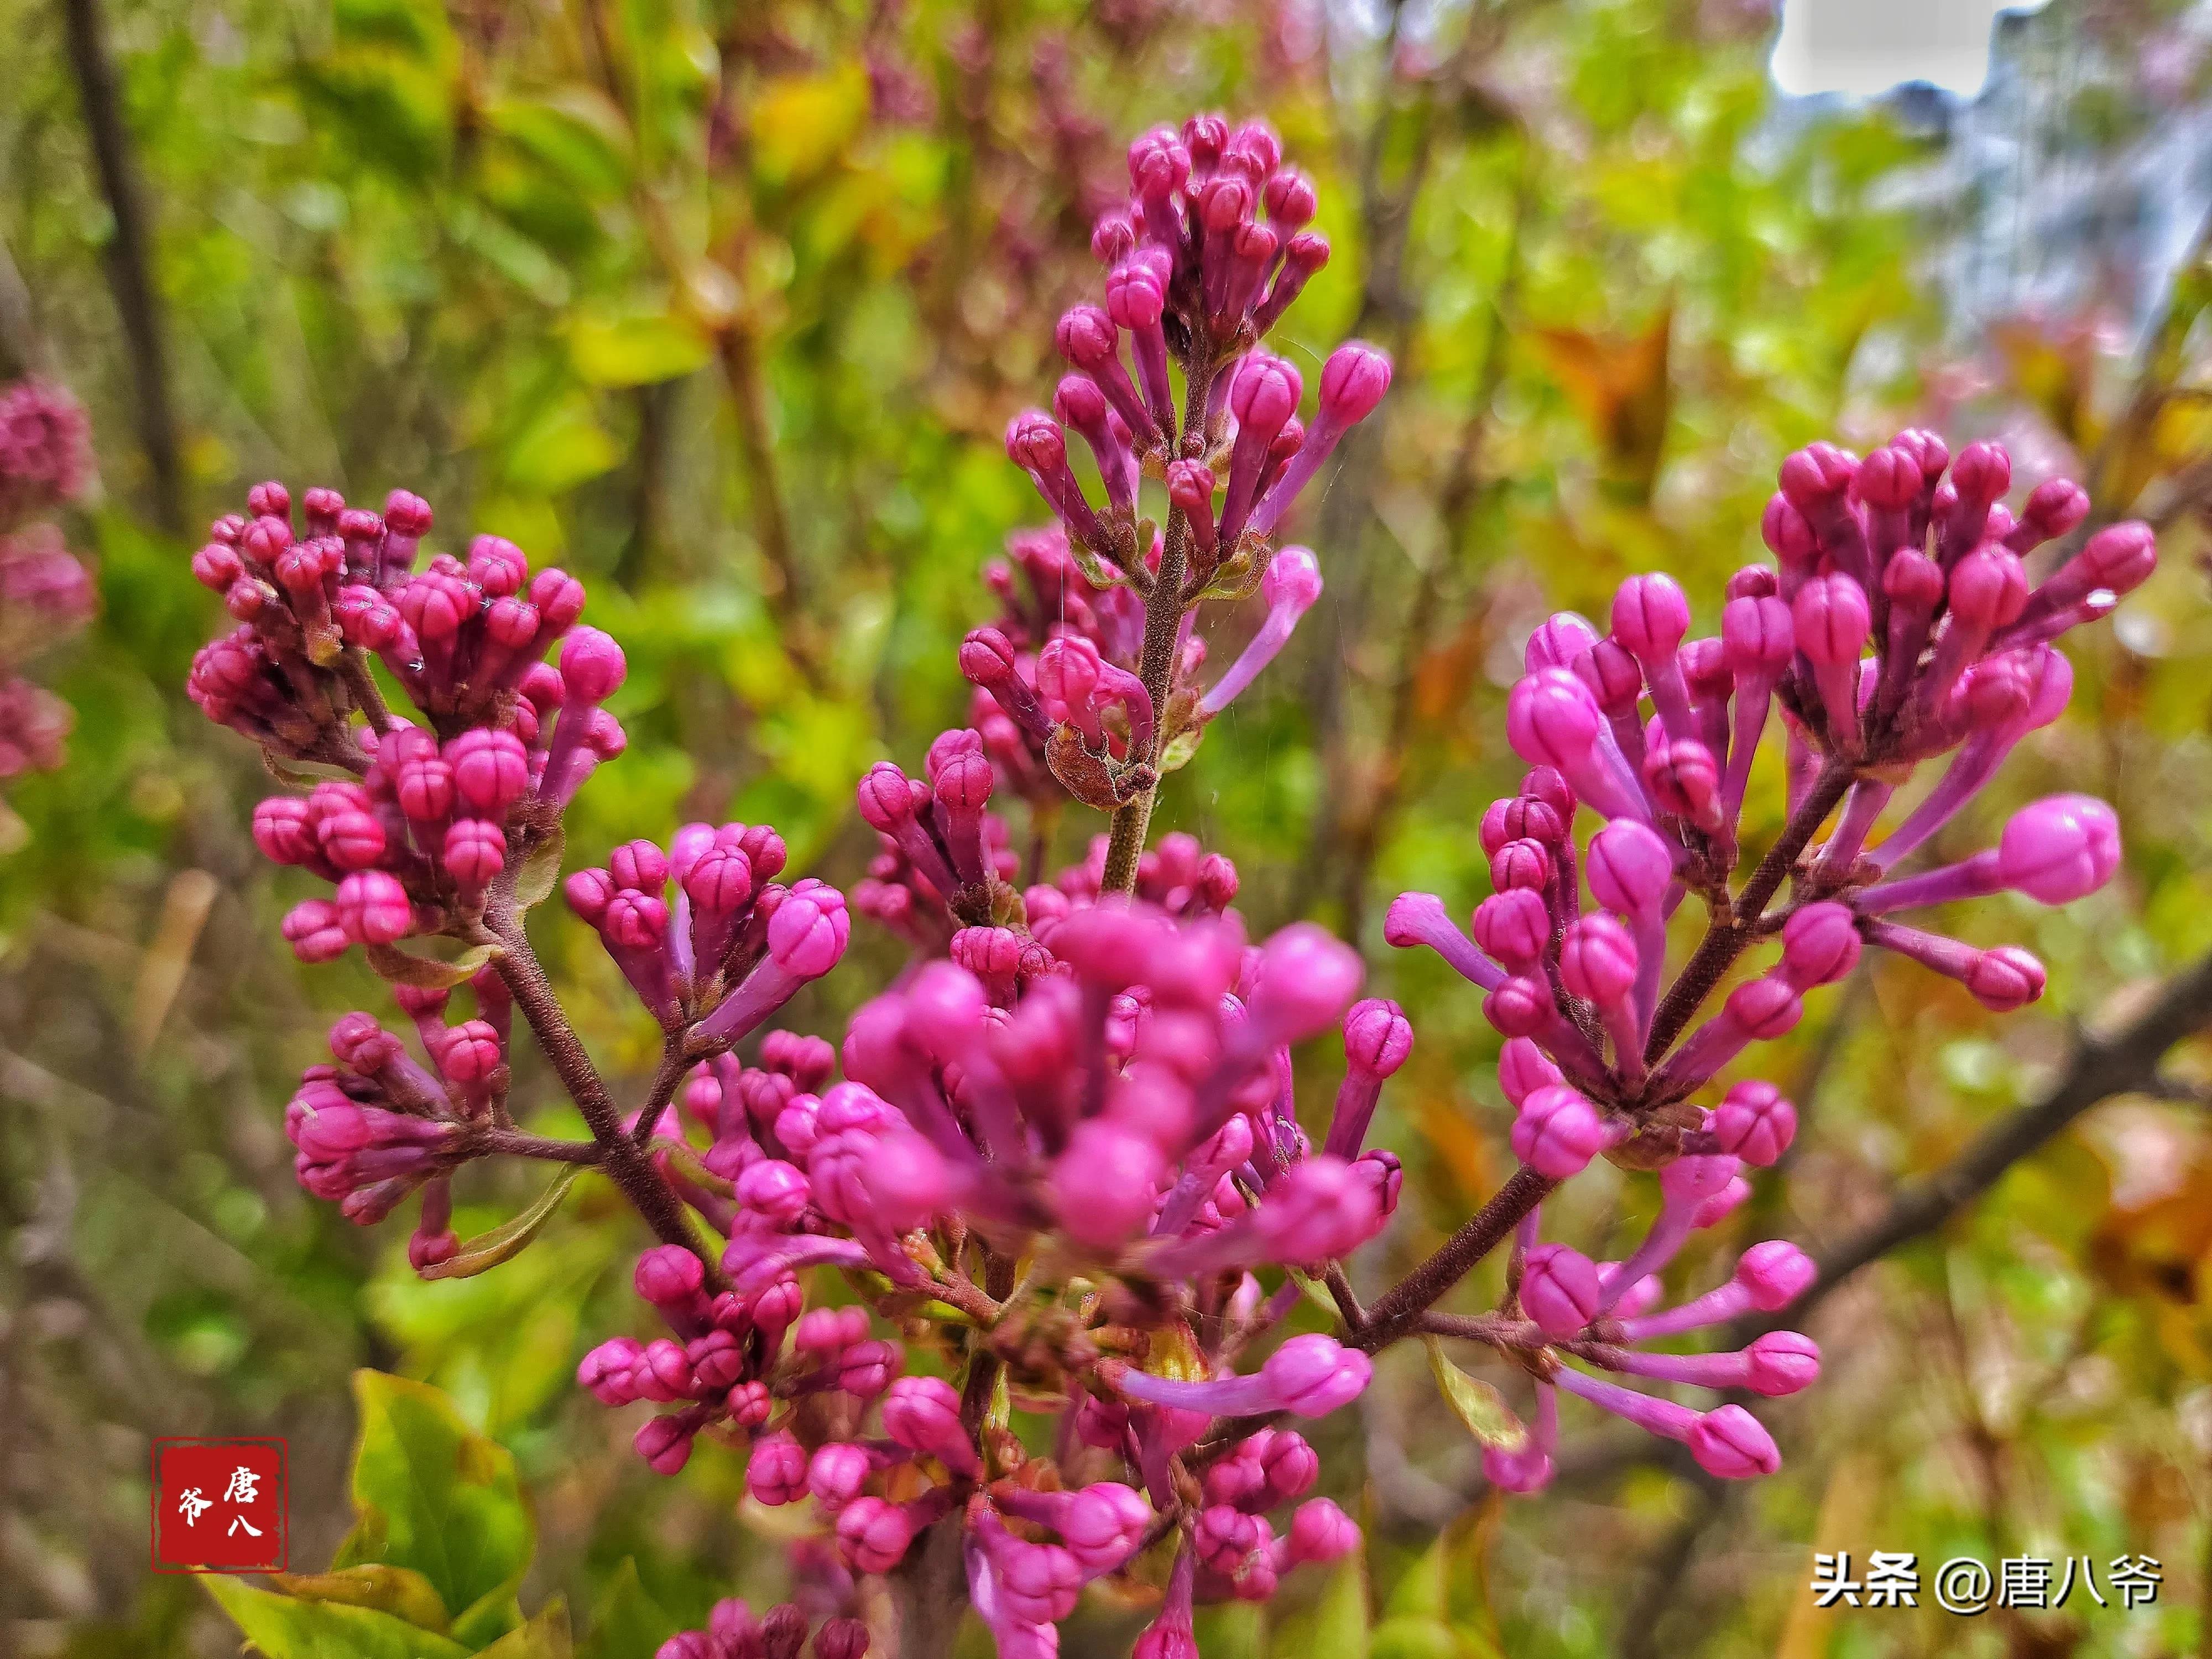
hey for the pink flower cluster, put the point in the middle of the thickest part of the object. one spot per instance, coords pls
(1211, 250)
(46, 592)
(1055, 1189)
(735, 1632)
(1898, 627)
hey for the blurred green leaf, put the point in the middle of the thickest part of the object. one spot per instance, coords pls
(1479, 1407)
(434, 1496)
(639, 348)
(627, 1620)
(509, 1240)
(283, 1627)
(390, 1589)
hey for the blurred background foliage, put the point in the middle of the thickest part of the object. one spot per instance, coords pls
(724, 304)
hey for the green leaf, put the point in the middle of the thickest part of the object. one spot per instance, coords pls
(545, 1637)
(395, 1590)
(428, 973)
(629, 1621)
(1423, 1592)
(1314, 1291)
(642, 348)
(510, 1238)
(535, 880)
(284, 1627)
(1478, 1406)
(1339, 1629)
(434, 1496)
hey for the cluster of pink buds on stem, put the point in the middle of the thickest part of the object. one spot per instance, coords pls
(1102, 688)
(1898, 630)
(46, 592)
(735, 1632)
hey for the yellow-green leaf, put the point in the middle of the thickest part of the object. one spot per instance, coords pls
(535, 880)
(507, 1240)
(285, 1627)
(428, 973)
(545, 1637)
(641, 349)
(1478, 1405)
(395, 1590)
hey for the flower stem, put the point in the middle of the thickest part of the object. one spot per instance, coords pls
(1399, 1313)
(624, 1161)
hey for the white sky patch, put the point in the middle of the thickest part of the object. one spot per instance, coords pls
(1863, 48)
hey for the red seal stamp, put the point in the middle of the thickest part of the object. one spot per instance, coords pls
(219, 1506)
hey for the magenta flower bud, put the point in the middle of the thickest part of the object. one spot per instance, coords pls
(1320, 1532)
(1521, 1006)
(1420, 919)
(1558, 1132)
(1289, 1467)
(1301, 982)
(873, 1535)
(1597, 960)
(1321, 1208)
(774, 1189)
(1651, 616)
(1514, 925)
(1521, 867)
(1158, 164)
(1787, 535)
(1782, 1362)
(839, 1638)
(836, 1474)
(1291, 586)
(665, 1443)
(1101, 1524)
(1629, 868)
(1754, 1123)
(1522, 1069)
(865, 1369)
(1559, 1290)
(312, 929)
(1224, 1539)
(1038, 1583)
(2061, 848)
(1819, 945)
(639, 865)
(475, 851)
(283, 830)
(1353, 380)
(607, 1371)
(1106, 1184)
(1830, 620)
(922, 1413)
(350, 839)
(1558, 642)
(1774, 1273)
(490, 770)
(1377, 1038)
(776, 1473)
(1552, 719)
(372, 908)
(806, 936)
(1685, 782)
(1730, 1443)
(2005, 978)
(669, 1276)
(716, 1360)
(1519, 818)
(592, 665)
(1758, 637)
(1816, 474)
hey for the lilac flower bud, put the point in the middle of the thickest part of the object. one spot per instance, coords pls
(1353, 380)
(865, 1369)
(1629, 868)
(1302, 981)
(1558, 642)
(1321, 1209)
(1524, 866)
(1774, 1273)
(1684, 779)
(1782, 1362)
(776, 1473)
(669, 1276)
(1320, 1532)
(1557, 1133)
(2061, 848)
(2005, 978)
(922, 1413)
(873, 1535)
(839, 1639)
(1755, 1123)
(1038, 1583)
(665, 1443)
(1597, 960)
(1224, 1539)
(775, 1190)
(1420, 919)
(372, 908)
(1819, 945)
(1522, 1069)
(1552, 719)
(1730, 1443)
(1106, 1184)
(608, 1370)
(836, 1474)
(1521, 1006)
(1291, 586)
(716, 1360)
(1559, 1290)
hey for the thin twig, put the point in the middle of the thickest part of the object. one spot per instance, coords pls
(129, 255)
(1398, 1313)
